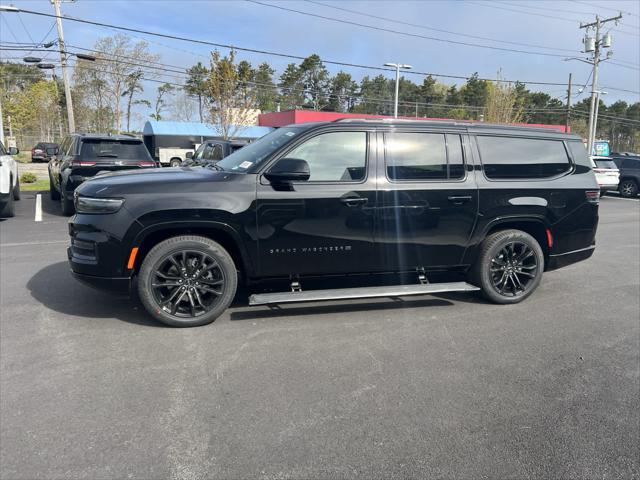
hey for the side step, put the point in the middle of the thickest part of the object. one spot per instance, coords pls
(360, 292)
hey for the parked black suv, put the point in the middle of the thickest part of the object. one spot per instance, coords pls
(82, 156)
(629, 166)
(213, 151)
(500, 204)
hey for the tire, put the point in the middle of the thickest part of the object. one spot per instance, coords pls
(628, 188)
(8, 210)
(16, 190)
(202, 303)
(498, 272)
(67, 205)
(175, 162)
(53, 193)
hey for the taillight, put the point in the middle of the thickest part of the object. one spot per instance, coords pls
(593, 196)
(82, 163)
(146, 164)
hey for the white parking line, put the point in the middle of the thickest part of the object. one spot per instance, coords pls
(38, 217)
(621, 198)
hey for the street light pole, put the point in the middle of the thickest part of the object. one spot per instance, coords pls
(397, 66)
(65, 75)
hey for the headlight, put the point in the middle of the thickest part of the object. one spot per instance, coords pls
(97, 205)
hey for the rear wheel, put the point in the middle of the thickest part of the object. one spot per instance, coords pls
(16, 190)
(175, 162)
(187, 281)
(67, 204)
(628, 188)
(509, 267)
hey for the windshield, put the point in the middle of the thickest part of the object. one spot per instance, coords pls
(249, 157)
(114, 149)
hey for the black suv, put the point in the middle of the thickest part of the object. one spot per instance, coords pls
(82, 156)
(629, 166)
(498, 204)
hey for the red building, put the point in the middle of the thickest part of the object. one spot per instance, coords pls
(289, 117)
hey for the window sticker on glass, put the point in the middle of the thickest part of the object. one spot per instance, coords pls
(290, 134)
(245, 165)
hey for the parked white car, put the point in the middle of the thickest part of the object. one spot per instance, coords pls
(9, 181)
(607, 173)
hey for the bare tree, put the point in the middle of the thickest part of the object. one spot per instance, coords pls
(134, 85)
(231, 104)
(184, 107)
(161, 101)
(501, 104)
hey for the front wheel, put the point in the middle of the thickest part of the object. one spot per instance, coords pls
(66, 203)
(16, 190)
(509, 267)
(53, 193)
(9, 208)
(187, 281)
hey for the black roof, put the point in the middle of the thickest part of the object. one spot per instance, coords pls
(471, 127)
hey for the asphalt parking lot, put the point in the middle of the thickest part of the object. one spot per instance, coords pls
(446, 386)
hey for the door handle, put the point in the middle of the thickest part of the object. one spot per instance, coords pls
(459, 200)
(353, 201)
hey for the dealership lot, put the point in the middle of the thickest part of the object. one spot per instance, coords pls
(446, 385)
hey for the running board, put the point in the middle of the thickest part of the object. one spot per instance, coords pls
(361, 292)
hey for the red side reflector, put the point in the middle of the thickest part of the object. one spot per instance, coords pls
(549, 238)
(132, 258)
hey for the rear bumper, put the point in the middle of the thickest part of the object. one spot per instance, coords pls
(564, 259)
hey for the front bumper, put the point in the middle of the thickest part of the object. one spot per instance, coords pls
(111, 284)
(564, 259)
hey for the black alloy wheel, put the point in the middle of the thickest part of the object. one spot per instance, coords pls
(513, 269)
(628, 188)
(187, 281)
(509, 266)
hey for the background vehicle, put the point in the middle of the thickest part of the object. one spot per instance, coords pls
(43, 151)
(82, 156)
(629, 166)
(169, 142)
(213, 151)
(347, 198)
(607, 173)
(9, 181)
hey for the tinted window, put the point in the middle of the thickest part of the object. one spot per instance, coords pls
(423, 156)
(334, 157)
(631, 164)
(605, 164)
(217, 153)
(510, 157)
(113, 149)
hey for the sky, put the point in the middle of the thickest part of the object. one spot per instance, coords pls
(543, 23)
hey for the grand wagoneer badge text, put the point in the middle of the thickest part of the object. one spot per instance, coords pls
(310, 250)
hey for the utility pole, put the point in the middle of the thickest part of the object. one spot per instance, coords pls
(568, 106)
(594, 45)
(397, 66)
(63, 61)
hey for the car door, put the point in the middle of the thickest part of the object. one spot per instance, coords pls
(427, 199)
(323, 225)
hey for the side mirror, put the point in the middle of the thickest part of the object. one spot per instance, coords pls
(13, 151)
(189, 155)
(288, 170)
(52, 151)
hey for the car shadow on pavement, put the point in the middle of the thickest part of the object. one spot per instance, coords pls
(50, 207)
(55, 288)
(394, 303)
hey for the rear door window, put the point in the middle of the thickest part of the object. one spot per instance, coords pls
(423, 156)
(507, 158)
(113, 149)
(605, 164)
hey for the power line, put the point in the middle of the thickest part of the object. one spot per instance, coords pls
(406, 34)
(401, 22)
(276, 54)
(604, 8)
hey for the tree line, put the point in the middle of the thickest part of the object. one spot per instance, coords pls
(109, 94)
